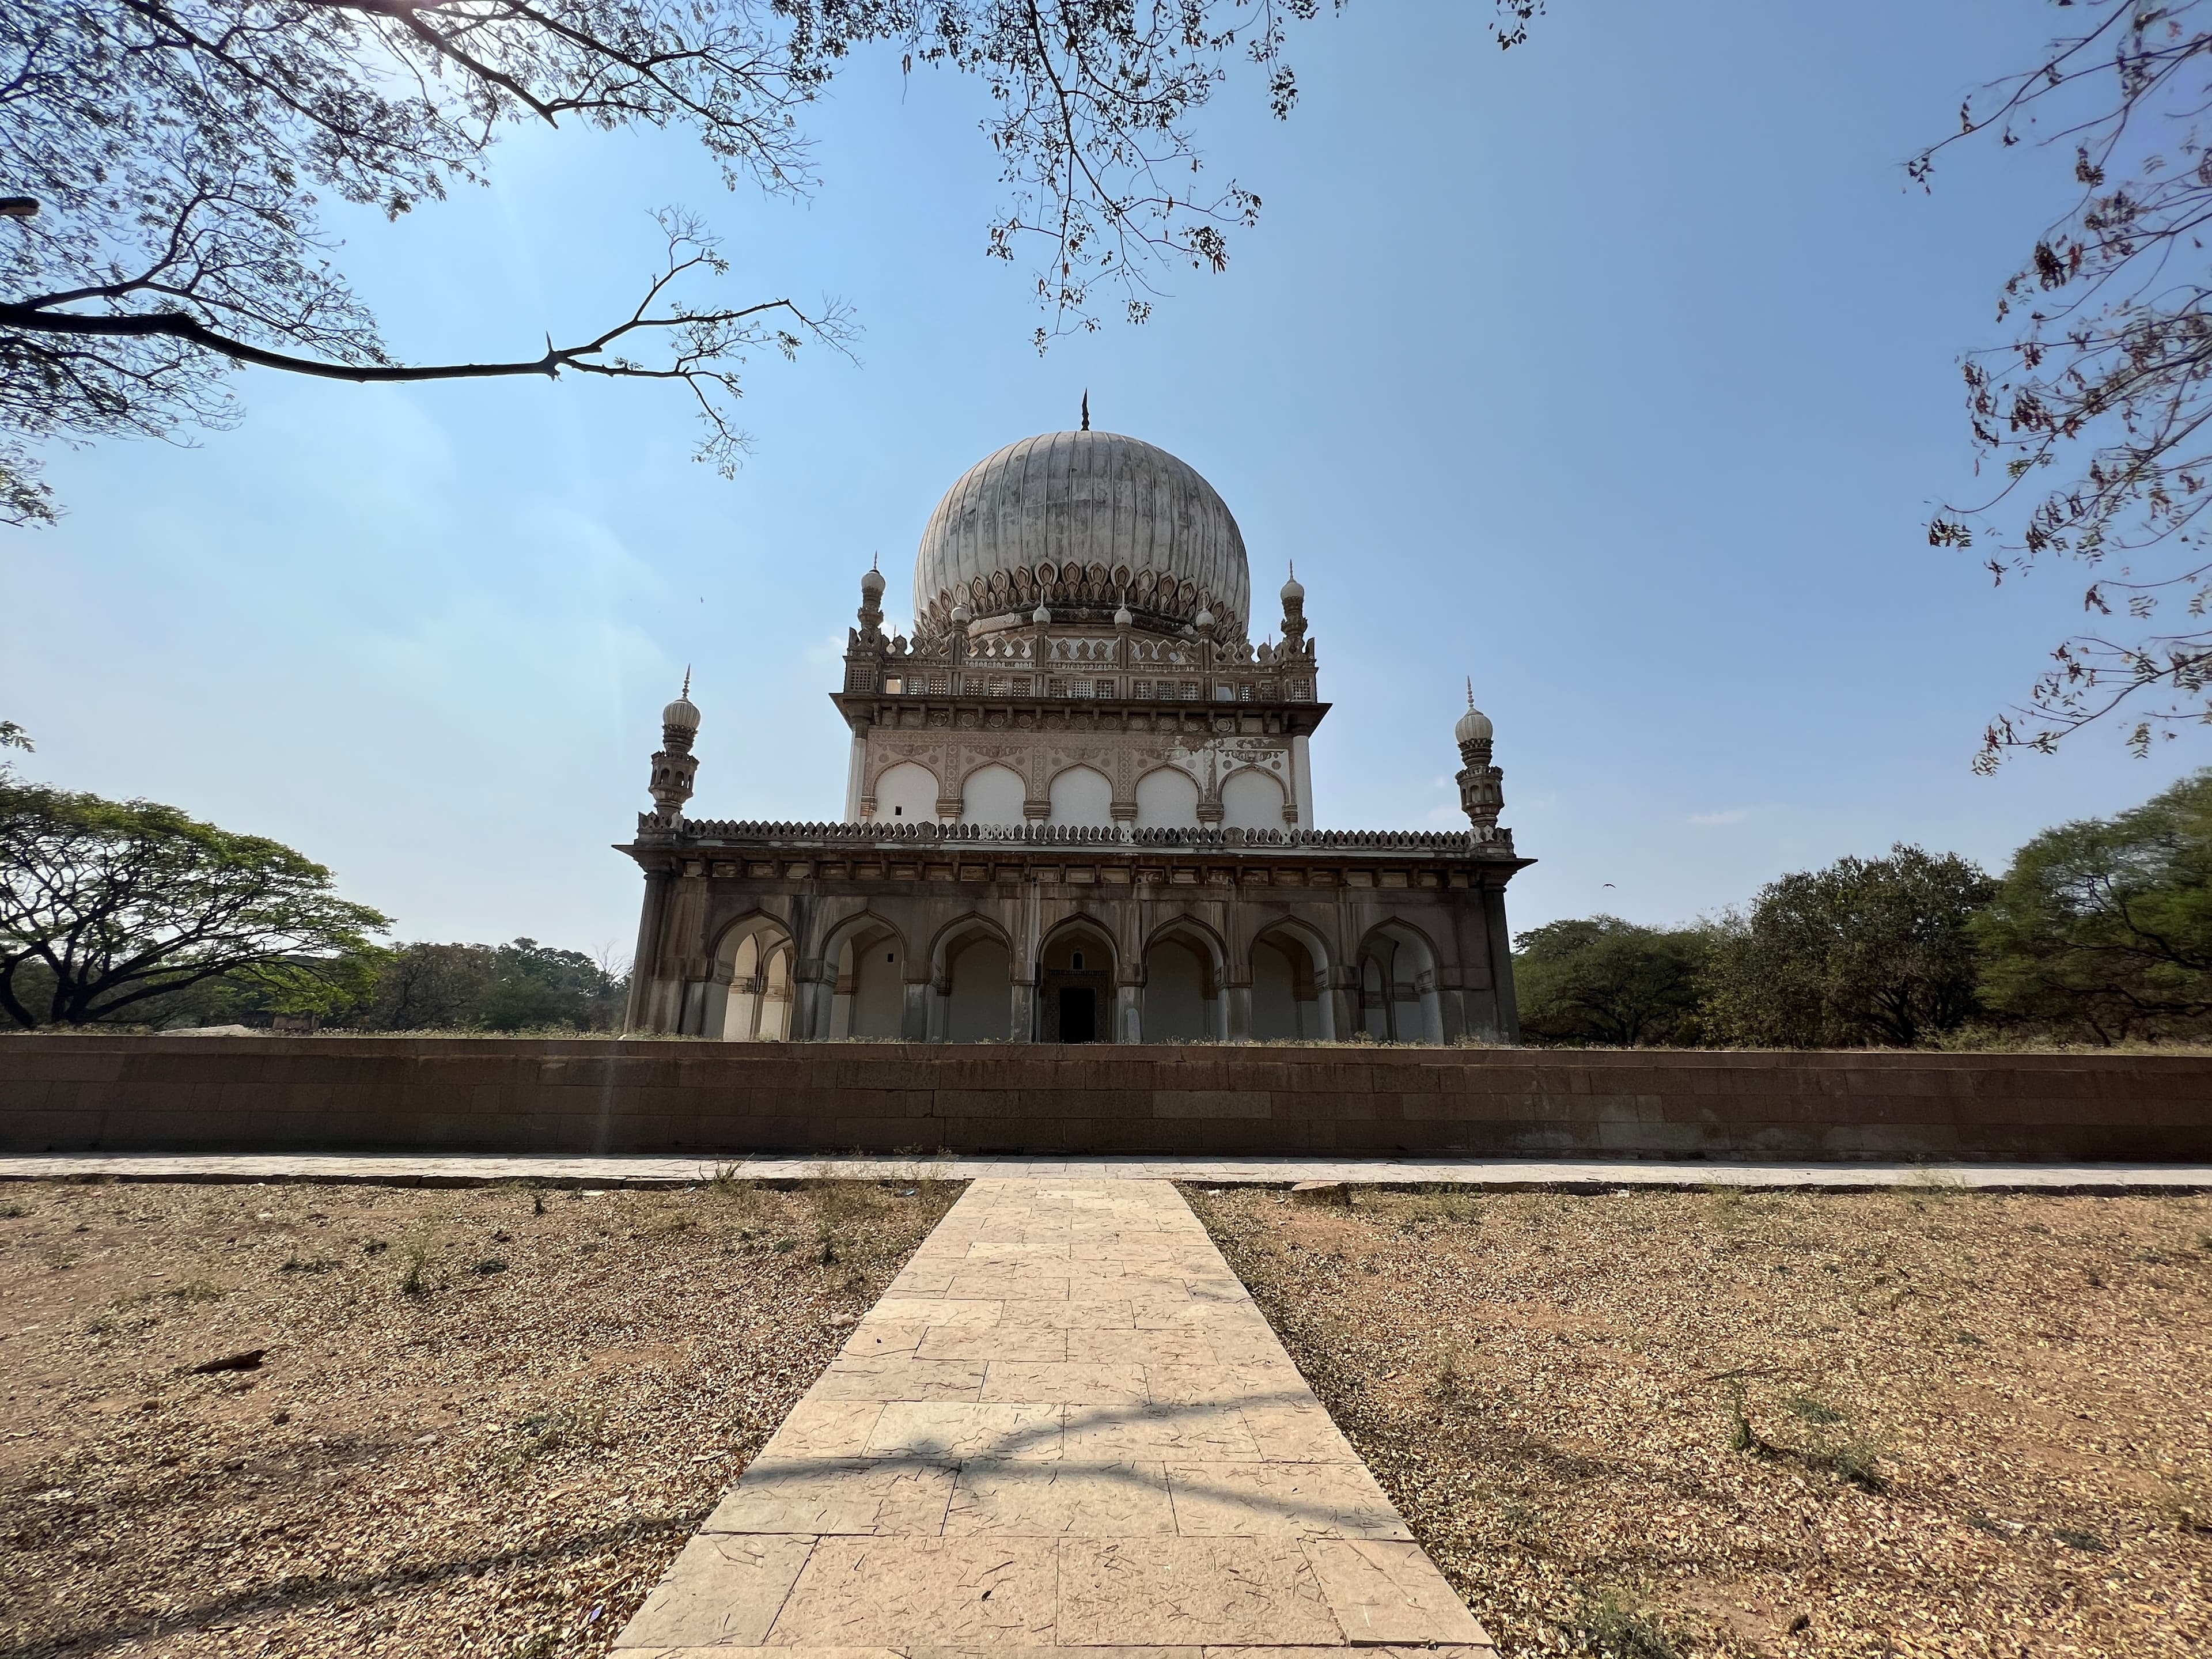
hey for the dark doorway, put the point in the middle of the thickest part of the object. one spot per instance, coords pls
(1079, 1014)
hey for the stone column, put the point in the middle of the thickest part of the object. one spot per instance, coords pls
(1345, 1014)
(913, 1027)
(1021, 1020)
(1128, 1023)
(812, 990)
(1506, 1006)
(1240, 1013)
(637, 1016)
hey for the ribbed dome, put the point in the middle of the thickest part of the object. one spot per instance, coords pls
(1084, 522)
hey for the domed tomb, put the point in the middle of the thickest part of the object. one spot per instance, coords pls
(1082, 524)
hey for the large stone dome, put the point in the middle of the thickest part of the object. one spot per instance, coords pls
(1082, 523)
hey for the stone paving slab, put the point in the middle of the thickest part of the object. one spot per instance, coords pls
(1500, 1175)
(1110, 1457)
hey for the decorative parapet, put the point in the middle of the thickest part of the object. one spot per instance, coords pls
(1139, 667)
(1490, 843)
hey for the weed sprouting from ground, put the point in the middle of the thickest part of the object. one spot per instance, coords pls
(1741, 1435)
(1449, 1384)
(414, 1278)
(1813, 1410)
(197, 1290)
(1855, 1461)
(569, 1428)
(1618, 1632)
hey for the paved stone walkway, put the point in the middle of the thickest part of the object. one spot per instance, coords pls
(1065, 1426)
(1497, 1173)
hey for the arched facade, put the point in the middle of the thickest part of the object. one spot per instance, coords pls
(1186, 971)
(1290, 986)
(1399, 987)
(749, 993)
(993, 794)
(907, 793)
(972, 974)
(1167, 797)
(1082, 794)
(1076, 983)
(1251, 799)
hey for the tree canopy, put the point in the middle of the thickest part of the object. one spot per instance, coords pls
(108, 907)
(1868, 950)
(2103, 929)
(1603, 980)
(171, 155)
(491, 987)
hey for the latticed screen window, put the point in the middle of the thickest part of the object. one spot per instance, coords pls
(1301, 691)
(939, 684)
(1189, 690)
(1021, 686)
(1103, 689)
(1056, 688)
(1244, 691)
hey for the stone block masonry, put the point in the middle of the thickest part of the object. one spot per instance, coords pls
(92, 1093)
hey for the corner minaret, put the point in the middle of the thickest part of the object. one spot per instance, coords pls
(1481, 786)
(674, 765)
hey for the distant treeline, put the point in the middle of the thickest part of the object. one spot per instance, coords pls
(523, 986)
(2101, 932)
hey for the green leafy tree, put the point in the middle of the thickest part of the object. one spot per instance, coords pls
(2103, 929)
(1868, 950)
(492, 988)
(1598, 979)
(109, 908)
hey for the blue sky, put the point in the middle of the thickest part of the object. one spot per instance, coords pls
(1617, 371)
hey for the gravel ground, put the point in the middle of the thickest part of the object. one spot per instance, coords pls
(1920, 1423)
(345, 1419)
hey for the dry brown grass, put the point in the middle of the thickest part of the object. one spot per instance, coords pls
(1926, 1422)
(484, 1422)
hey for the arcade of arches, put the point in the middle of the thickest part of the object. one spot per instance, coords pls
(971, 981)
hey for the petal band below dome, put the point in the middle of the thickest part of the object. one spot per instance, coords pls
(1082, 521)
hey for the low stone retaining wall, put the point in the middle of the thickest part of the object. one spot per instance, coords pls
(115, 1094)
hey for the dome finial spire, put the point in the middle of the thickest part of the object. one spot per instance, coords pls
(687, 680)
(1087, 409)
(1470, 690)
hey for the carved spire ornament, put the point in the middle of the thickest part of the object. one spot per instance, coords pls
(674, 766)
(1481, 786)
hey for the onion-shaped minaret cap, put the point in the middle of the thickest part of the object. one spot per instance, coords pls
(962, 616)
(1473, 725)
(1122, 617)
(1205, 621)
(1042, 614)
(1294, 591)
(683, 714)
(871, 583)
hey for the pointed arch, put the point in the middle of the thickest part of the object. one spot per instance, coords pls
(1290, 981)
(1185, 968)
(971, 971)
(866, 954)
(1399, 999)
(754, 958)
(1076, 963)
